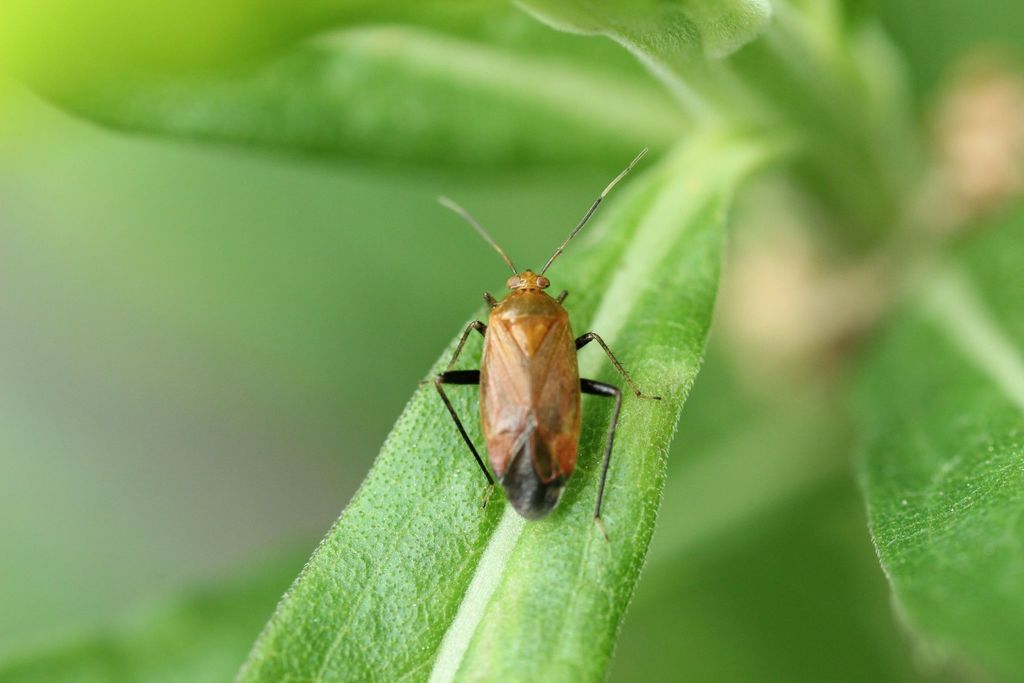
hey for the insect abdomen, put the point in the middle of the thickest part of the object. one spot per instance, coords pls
(529, 495)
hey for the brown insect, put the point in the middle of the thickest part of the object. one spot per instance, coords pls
(530, 384)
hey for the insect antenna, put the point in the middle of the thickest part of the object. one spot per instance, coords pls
(449, 204)
(593, 208)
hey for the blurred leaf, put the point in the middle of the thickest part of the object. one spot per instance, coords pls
(936, 35)
(792, 595)
(839, 87)
(200, 638)
(942, 408)
(398, 93)
(671, 33)
(673, 39)
(61, 43)
(821, 73)
(455, 84)
(743, 454)
(760, 567)
(415, 580)
(65, 44)
(438, 82)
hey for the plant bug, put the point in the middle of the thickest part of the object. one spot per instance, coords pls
(530, 384)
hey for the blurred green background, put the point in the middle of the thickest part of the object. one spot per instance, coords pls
(202, 349)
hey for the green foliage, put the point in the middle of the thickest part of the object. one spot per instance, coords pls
(443, 84)
(792, 593)
(940, 405)
(201, 255)
(415, 580)
(935, 38)
(398, 93)
(775, 580)
(198, 638)
(672, 33)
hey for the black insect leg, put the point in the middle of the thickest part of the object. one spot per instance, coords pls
(589, 386)
(464, 377)
(562, 295)
(585, 339)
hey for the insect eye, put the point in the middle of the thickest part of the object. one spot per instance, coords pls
(543, 282)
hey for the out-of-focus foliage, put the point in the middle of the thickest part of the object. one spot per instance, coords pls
(776, 580)
(941, 408)
(671, 33)
(199, 637)
(200, 348)
(935, 37)
(399, 93)
(445, 84)
(63, 45)
(439, 83)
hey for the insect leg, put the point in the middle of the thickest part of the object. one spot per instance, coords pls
(585, 339)
(463, 377)
(589, 386)
(561, 297)
(490, 300)
(475, 325)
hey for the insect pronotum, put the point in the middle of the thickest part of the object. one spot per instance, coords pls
(530, 384)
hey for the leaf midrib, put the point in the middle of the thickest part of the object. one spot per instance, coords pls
(582, 94)
(621, 296)
(477, 596)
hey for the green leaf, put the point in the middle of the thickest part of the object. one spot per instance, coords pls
(760, 568)
(669, 32)
(198, 638)
(793, 595)
(63, 44)
(826, 78)
(838, 86)
(673, 39)
(941, 404)
(398, 93)
(415, 581)
(437, 81)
